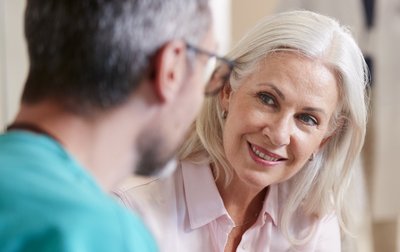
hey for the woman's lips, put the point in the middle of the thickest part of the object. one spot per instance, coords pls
(265, 155)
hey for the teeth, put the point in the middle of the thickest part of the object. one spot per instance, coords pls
(262, 155)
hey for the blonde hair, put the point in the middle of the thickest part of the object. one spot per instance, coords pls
(320, 186)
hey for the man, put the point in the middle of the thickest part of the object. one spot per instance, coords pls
(112, 85)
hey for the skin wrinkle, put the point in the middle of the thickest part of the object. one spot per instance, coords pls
(299, 94)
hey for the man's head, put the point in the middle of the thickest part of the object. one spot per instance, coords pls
(92, 56)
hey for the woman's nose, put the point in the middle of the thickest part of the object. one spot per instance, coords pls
(279, 130)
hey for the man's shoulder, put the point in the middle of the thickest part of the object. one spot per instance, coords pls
(79, 231)
(83, 221)
(47, 199)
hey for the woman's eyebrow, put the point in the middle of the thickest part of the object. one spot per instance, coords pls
(312, 109)
(275, 88)
(282, 96)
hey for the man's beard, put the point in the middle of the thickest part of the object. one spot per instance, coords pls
(154, 162)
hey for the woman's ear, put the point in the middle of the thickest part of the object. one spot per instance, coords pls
(225, 95)
(169, 70)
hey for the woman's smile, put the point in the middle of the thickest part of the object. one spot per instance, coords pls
(266, 157)
(278, 117)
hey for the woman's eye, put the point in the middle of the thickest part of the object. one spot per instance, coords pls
(308, 119)
(266, 98)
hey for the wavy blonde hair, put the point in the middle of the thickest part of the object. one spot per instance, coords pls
(320, 186)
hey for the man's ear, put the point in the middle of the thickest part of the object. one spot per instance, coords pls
(169, 70)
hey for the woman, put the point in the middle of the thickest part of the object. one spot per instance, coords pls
(268, 162)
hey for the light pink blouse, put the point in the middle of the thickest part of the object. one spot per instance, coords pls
(185, 212)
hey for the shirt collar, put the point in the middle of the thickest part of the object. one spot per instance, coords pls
(271, 204)
(203, 200)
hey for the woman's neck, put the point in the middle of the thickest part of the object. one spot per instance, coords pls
(242, 202)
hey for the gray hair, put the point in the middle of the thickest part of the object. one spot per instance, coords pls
(92, 54)
(320, 186)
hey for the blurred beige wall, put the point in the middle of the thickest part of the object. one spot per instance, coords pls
(2, 63)
(13, 54)
(245, 14)
(222, 22)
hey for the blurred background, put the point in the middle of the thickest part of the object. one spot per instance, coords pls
(376, 26)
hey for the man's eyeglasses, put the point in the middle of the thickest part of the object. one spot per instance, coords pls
(217, 70)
